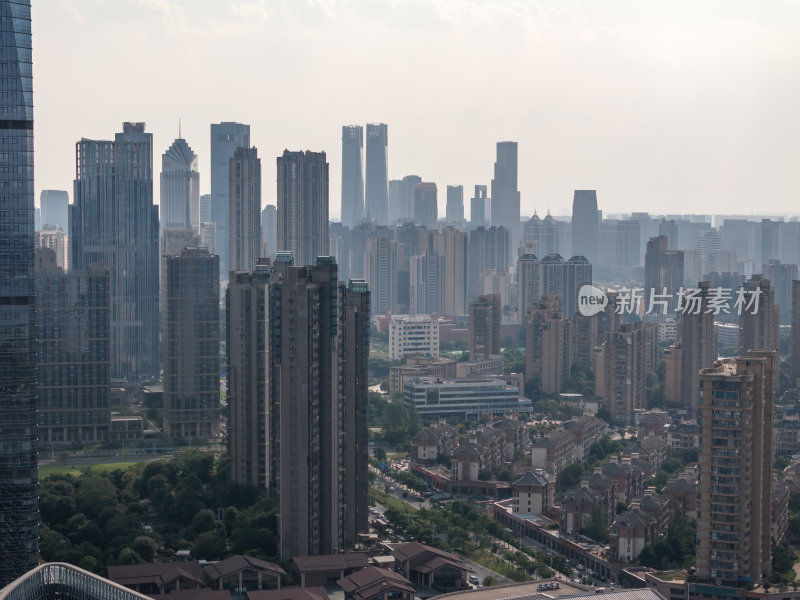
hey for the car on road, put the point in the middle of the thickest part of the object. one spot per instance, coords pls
(474, 579)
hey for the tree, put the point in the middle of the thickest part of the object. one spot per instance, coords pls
(94, 494)
(145, 547)
(209, 546)
(128, 556)
(598, 524)
(489, 581)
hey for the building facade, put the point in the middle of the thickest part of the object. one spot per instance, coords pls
(245, 209)
(485, 318)
(19, 540)
(413, 334)
(505, 204)
(303, 205)
(180, 188)
(352, 175)
(114, 222)
(585, 224)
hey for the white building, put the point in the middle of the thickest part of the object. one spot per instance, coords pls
(413, 334)
(463, 397)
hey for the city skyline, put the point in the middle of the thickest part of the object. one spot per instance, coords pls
(639, 130)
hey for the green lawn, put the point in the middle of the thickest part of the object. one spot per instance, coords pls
(48, 470)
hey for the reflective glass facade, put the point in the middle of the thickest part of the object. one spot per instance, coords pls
(18, 463)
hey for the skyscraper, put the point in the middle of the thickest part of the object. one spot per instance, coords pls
(585, 224)
(545, 232)
(505, 195)
(620, 370)
(55, 208)
(452, 244)
(353, 348)
(74, 324)
(352, 175)
(114, 222)
(19, 525)
(180, 188)
(380, 268)
(454, 211)
(426, 204)
(401, 197)
(698, 342)
(663, 274)
(529, 283)
(485, 319)
(245, 205)
(427, 283)
(488, 250)
(377, 188)
(269, 230)
(547, 346)
(303, 206)
(735, 467)
(795, 334)
(191, 345)
(317, 406)
(225, 138)
(759, 318)
(477, 208)
(247, 331)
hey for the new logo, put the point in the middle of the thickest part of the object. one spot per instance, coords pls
(591, 300)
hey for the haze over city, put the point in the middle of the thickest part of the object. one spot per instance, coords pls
(668, 107)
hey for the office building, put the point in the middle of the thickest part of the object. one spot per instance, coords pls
(663, 277)
(245, 206)
(620, 371)
(505, 195)
(427, 283)
(247, 334)
(180, 188)
(74, 345)
(547, 352)
(19, 526)
(454, 211)
(463, 397)
(352, 175)
(478, 208)
(485, 318)
(735, 468)
(191, 345)
(414, 335)
(401, 197)
(488, 249)
(303, 206)
(309, 379)
(380, 268)
(56, 240)
(585, 224)
(698, 344)
(54, 205)
(759, 317)
(452, 245)
(226, 137)
(426, 207)
(269, 231)
(377, 166)
(114, 222)
(795, 335)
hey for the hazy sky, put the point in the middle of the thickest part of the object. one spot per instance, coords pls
(673, 106)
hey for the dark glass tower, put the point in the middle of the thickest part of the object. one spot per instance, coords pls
(377, 189)
(352, 175)
(19, 545)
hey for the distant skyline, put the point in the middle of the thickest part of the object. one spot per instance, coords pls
(662, 107)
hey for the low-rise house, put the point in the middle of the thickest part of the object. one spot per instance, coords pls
(466, 462)
(245, 573)
(631, 531)
(587, 431)
(517, 435)
(786, 437)
(683, 437)
(653, 423)
(158, 578)
(534, 493)
(681, 492)
(316, 571)
(554, 452)
(604, 488)
(629, 478)
(576, 510)
(375, 583)
(430, 567)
